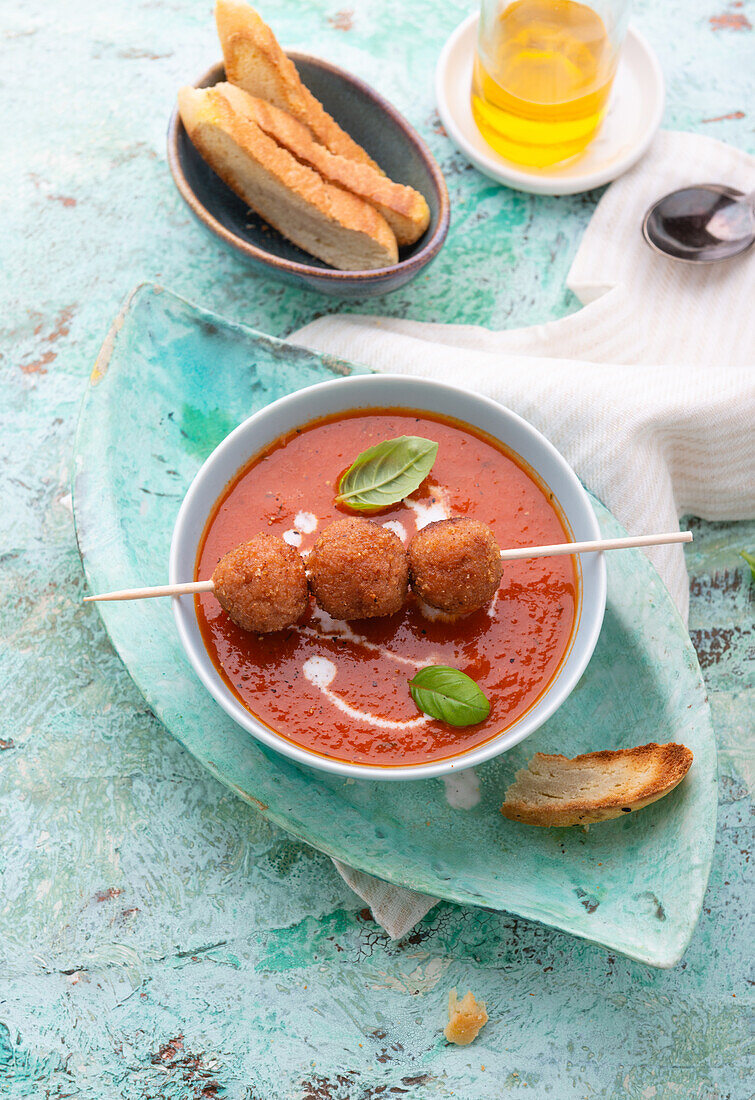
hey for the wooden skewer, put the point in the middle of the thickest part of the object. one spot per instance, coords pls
(191, 587)
(601, 544)
(160, 590)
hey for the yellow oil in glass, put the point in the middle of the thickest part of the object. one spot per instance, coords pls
(542, 79)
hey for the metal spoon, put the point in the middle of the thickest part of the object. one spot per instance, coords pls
(701, 224)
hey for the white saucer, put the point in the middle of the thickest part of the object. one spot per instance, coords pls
(633, 116)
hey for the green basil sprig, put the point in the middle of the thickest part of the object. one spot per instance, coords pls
(386, 473)
(750, 559)
(450, 695)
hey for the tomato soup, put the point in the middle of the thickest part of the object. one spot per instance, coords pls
(340, 689)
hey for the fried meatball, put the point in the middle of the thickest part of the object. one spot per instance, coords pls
(455, 565)
(358, 570)
(262, 584)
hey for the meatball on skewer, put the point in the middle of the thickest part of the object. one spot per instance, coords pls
(455, 565)
(262, 585)
(358, 570)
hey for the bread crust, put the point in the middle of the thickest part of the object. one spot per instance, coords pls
(554, 790)
(255, 62)
(331, 223)
(405, 210)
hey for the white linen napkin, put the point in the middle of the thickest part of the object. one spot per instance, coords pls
(648, 391)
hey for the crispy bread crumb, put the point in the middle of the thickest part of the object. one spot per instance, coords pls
(466, 1017)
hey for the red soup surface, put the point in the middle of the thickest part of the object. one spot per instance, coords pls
(342, 689)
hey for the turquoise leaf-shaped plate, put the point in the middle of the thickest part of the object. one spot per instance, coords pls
(170, 382)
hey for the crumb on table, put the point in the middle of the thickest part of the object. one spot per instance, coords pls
(466, 1017)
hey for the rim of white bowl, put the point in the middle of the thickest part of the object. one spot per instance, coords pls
(199, 501)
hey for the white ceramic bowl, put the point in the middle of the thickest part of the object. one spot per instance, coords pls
(390, 391)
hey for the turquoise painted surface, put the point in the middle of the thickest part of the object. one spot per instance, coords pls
(119, 853)
(151, 415)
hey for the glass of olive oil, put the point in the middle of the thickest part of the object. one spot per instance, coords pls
(543, 73)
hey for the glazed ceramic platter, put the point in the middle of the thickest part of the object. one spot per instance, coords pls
(170, 382)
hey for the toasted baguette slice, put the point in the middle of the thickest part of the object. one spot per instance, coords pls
(553, 790)
(255, 62)
(331, 224)
(403, 208)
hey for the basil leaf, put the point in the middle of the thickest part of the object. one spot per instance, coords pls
(750, 559)
(386, 473)
(449, 695)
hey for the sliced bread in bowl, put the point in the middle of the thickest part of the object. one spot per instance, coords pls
(326, 221)
(405, 210)
(596, 786)
(255, 62)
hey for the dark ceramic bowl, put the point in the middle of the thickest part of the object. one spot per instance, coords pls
(371, 121)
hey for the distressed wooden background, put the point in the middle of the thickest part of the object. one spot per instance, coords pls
(158, 939)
